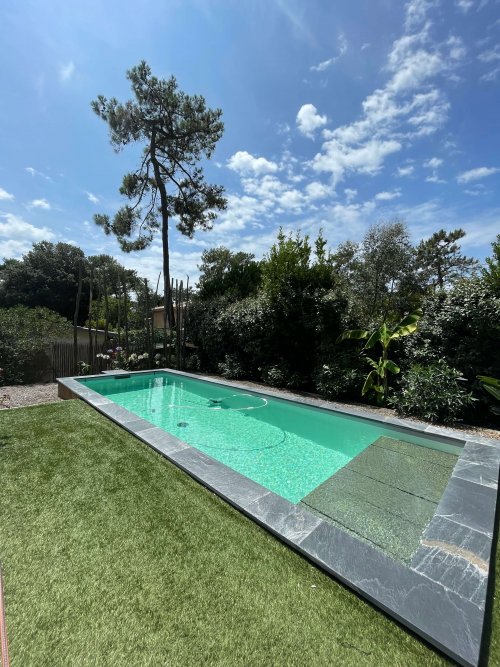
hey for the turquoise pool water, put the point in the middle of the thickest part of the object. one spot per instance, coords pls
(286, 447)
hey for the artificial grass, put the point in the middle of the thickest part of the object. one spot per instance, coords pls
(112, 556)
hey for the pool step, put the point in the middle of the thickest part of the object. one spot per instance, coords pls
(386, 495)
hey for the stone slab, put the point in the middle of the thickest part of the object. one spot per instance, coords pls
(414, 509)
(433, 456)
(425, 480)
(469, 504)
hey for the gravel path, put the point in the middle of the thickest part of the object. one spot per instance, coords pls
(20, 396)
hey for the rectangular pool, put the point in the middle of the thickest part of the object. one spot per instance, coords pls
(286, 447)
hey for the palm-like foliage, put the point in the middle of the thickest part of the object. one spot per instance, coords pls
(377, 379)
(492, 386)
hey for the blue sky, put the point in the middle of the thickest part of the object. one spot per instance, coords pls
(337, 115)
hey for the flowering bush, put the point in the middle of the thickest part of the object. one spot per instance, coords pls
(118, 359)
(83, 368)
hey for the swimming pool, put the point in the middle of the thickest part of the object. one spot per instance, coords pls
(286, 447)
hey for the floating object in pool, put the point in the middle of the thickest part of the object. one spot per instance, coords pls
(183, 424)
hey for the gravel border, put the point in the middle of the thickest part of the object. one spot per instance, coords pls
(23, 395)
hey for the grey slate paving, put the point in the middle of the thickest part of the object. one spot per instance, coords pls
(479, 473)
(469, 504)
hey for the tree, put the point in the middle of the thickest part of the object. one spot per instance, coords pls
(25, 334)
(234, 274)
(378, 277)
(377, 378)
(178, 130)
(386, 271)
(46, 276)
(440, 259)
(491, 274)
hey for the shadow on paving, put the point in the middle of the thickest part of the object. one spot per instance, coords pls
(387, 495)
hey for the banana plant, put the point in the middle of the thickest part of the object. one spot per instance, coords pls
(377, 379)
(492, 386)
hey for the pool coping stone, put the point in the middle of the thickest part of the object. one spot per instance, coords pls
(441, 596)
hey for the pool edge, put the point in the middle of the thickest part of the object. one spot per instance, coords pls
(422, 597)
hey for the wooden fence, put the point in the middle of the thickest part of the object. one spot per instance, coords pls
(63, 359)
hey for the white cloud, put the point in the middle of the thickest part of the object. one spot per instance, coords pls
(387, 196)
(92, 198)
(338, 158)
(308, 120)
(5, 196)
(20, 234)
(40, 203)
(476, 174)
(408, 106)
(245, 163)
(416, 11)
(317, 190)
(405, 171)
(35, 172)
(434, 179)
(66, 71)
(491, 76)
(491, 55)
(465, 5)
(341, 50)
(457, 48)
(433, 163)
(366, 45)
(350, 194)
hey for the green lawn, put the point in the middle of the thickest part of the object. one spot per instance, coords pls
(112, 556)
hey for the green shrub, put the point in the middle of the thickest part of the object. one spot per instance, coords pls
(231, 368)
(336, 381)
(433, 393)
(280, 376)
(25, 335)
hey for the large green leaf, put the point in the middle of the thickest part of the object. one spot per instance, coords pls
(391, 366)
(374, 364)
(494, 391)
(491, 382)
(374, 338)
(408, 324)
(410, 319)
(369, 382)
(353, 334)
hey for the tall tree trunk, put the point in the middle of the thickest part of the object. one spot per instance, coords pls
(97, 313)
(106, 310)
(155, 305)
(75, 319)
(118, 313)
(125, 308)
(91, 358)
(167, 295)
(184, 325)
(149, 341)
